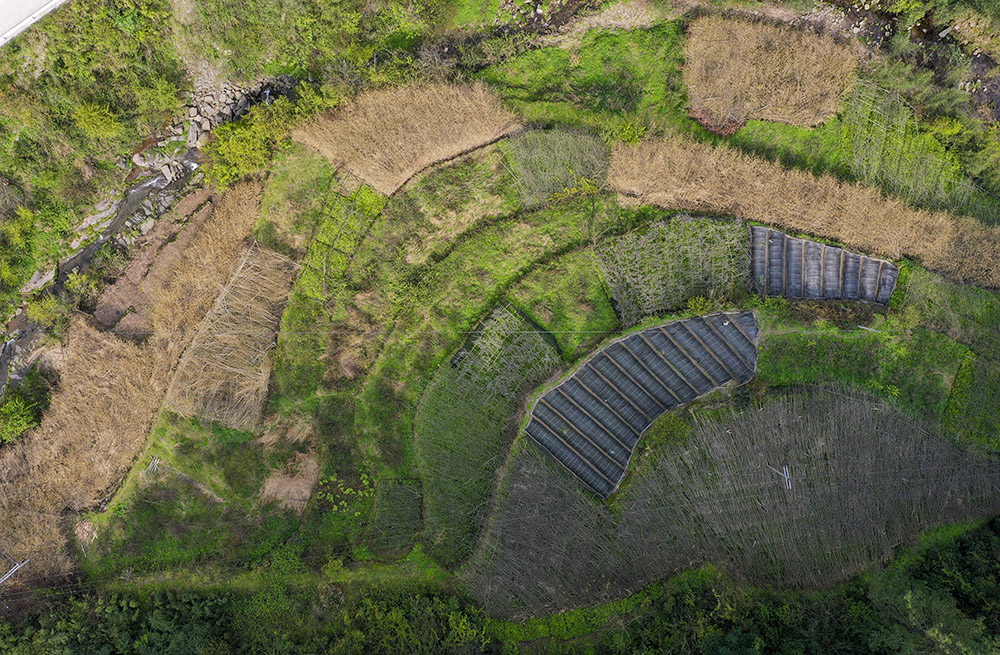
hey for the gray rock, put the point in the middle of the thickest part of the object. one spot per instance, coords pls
(193, 132)
(37, 281)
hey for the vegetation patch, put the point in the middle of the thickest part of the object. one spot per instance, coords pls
(398, 518)
(194, 500)
(385, 137)
(680, 174)
(466, 422)
(295, 195)
(621, 84)
(447, 201)
(965, 313)
(557, 161)
(913, 370)
(885, 146)
(737, 70)
(306, 321)
(972, 405)
(660, 268)
(568, 298)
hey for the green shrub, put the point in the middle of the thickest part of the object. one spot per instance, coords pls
(97, 122)
(16, 418)
(244, 147)
(48, 311)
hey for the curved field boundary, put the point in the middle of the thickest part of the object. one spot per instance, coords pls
(800, 268)
(592, 421)
(385, 137)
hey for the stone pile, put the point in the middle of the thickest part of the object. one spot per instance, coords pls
(213, 107)
(208, 109)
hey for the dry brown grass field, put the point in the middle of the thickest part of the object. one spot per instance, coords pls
(387, 136)
(223, 375)
(737, 70)
(680, 174)
(109, 392)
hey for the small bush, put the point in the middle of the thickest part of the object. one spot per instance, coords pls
(244, 147)
(49, 312)
(16, 418)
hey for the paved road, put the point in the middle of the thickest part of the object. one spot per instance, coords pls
(18, 15)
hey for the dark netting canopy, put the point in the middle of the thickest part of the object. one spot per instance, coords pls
(592, 421)
(799, 268)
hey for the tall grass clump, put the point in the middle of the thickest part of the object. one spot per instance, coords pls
(737, 70)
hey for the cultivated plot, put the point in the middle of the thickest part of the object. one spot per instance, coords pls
(800, 268)
(861, 478)
(592, 422)
(737, 70)
(223, 376)
(658, 269)
(677, 173)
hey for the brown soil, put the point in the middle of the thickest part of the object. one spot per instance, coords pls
(157, 255)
